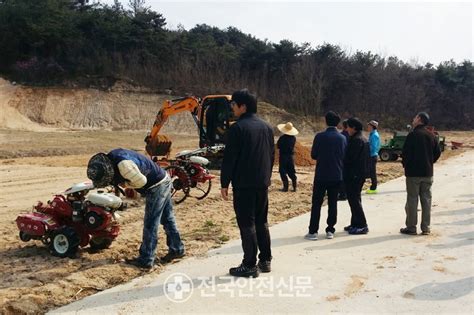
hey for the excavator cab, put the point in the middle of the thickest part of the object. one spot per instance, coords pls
(212, 114)
(215, 118)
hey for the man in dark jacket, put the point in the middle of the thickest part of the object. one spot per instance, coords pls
(345, 133)
(420, 152)
(328, 151)
(355, 171)
(133, 170)
(247, 164)
(286, 149)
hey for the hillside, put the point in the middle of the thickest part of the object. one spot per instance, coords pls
(120, 108)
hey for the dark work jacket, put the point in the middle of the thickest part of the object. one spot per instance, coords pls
(249, 154)
(286, 145)
(357, 158)
(345, 134)
(420, 152)
(328, 150)
(147, 167)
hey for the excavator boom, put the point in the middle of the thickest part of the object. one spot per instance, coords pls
(161, 144)
(210, 114)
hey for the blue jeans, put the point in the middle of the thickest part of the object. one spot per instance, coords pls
(159, 208)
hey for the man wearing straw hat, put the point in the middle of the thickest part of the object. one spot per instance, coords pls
(286, 147)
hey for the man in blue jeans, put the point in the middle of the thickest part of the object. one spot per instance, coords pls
(328, 150)
(133, 170)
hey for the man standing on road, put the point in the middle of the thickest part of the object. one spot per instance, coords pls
(328, 150)
(247, 164)
(374, 144)
(420, 152)
(133, 170)
(355, 171)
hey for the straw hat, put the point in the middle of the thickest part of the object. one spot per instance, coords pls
(373, 123)
(288, 129)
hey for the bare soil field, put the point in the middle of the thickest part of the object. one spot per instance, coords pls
(35, 165)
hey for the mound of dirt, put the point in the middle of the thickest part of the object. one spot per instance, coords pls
(302, 155)
(10, 117)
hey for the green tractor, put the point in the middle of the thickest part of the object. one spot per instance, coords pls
(392, 148)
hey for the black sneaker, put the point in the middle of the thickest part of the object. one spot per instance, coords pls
(170, 257)
(407, 231)
(138, 263)
(356, 230)
(243, 271)
(264, 266)
(426, 232)
(347, 228)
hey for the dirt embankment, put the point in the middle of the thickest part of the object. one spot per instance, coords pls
(121, 108)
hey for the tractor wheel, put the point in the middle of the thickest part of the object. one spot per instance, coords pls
(385, 155)
(64, 242)
(180, 183)
(100, 242)
(394, 157)
(46, 240)
(201, 190)
(24, 236)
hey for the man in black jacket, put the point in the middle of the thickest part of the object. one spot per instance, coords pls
(420, 152)
(328, 150)
(286, 146)
(355, 171)
(248, 163)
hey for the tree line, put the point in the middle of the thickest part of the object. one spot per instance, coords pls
(51, 42)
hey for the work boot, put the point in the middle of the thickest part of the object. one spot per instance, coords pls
(243, 271)
(170, 257)
(408, 231)
(294, 183)
(139, 263)
(264, 265)
(285, 186)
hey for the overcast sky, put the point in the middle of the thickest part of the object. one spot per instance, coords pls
(415, 31)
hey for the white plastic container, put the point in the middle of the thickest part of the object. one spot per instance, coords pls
(199, 160)
(106, 200)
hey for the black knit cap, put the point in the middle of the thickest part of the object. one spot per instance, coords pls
(100, 170)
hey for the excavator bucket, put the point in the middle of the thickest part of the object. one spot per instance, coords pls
(159, 145)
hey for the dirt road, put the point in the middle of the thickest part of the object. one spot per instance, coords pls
(33, 281)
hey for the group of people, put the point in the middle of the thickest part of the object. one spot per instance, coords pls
(339, 162)
(342, 161)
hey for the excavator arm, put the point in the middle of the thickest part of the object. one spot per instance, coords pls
(161, 144)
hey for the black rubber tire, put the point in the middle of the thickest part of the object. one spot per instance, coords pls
(24, 236)
(100, 242)
(180, 183)
(394, 157)
(385, 155)
(64, 242)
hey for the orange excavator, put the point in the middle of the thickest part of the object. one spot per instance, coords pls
(212, 115)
